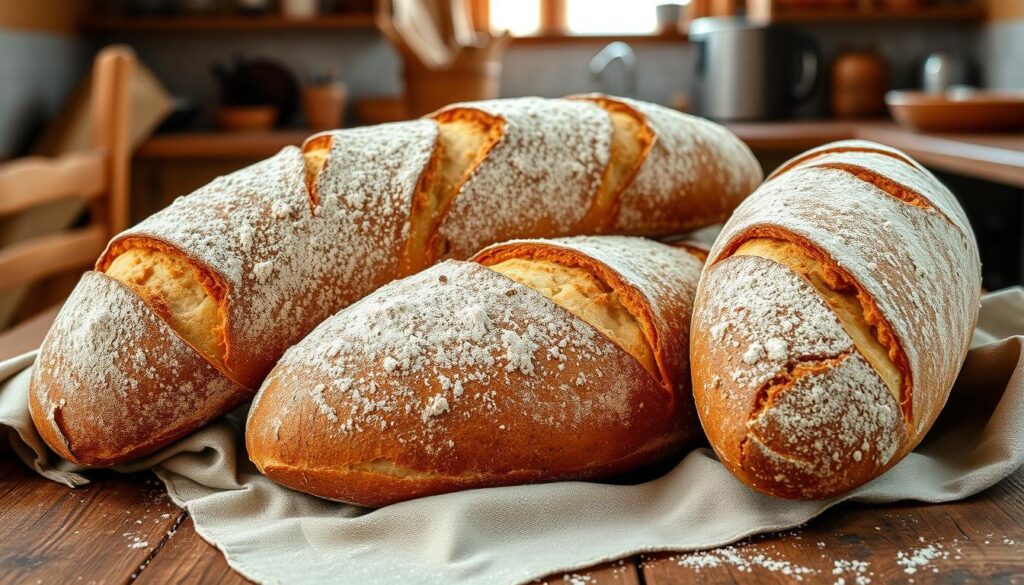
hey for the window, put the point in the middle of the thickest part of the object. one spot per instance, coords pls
(519, 17)
(573, 17)
(593, 17)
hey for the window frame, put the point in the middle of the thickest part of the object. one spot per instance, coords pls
(553, 24)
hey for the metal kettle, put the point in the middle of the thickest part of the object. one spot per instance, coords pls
(751, 71)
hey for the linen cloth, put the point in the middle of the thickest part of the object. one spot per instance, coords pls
(516, 534)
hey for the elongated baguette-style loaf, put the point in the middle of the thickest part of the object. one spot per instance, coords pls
(188, 311)
(832, 318)
(539, 360)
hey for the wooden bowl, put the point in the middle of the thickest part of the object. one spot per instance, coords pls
(958, 111)
(246, 118)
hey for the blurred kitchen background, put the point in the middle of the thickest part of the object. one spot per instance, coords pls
(219, 84)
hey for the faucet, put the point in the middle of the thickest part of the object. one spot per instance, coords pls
(615, 51)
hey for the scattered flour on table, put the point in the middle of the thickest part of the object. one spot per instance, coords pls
(743, 561)
(920, 559)
(857, 571)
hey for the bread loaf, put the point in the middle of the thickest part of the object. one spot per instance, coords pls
(831, 320)
(234, 274)
(537, 361)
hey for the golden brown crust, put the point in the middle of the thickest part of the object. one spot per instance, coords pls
(630, 297)
(632, 140)
(689, 159)
(283, 244)
(840, 280)
(374, 489)
(839, 148)
(579, 406)
(849, 263)
(314, 154)
(698, 251)
(465, 137)
(813, 420)
(148, 255)
(98, 410)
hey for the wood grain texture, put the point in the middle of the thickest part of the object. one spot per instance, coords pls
(50, 255)
(621, 572)
(92, 533)
(186, 556)
(101, 533)
(978, 540)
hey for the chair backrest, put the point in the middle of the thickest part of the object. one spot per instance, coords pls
(99, 176)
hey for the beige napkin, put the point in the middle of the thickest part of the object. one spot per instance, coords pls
(516, 534)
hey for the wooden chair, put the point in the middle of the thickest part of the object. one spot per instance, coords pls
(98, 176)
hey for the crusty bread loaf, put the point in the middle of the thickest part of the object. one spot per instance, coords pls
(248, 265)
(832, 319)
(540, 360)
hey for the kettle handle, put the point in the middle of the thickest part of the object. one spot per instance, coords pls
(810, 60)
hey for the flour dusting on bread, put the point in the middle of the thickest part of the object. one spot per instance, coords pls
(549, 161)
(479, 325)
(687, 150)
(270, 251)
(832, 319)
(287, 268)
(160, 382)
(904, 257)
(460, 375)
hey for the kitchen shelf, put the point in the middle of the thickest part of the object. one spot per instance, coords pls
(124, 24)
(952, 13)
(993, 157)
(563, 38)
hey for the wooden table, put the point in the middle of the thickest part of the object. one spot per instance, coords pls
(122, 529)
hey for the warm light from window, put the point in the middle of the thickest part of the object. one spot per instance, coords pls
(519, 17)
(594, 17)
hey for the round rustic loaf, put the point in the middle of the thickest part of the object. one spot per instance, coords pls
(246, 266)
(831, 320)
(538, 361)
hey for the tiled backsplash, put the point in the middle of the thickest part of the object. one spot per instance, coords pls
(663, 69)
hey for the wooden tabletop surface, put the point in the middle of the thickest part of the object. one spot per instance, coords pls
(993, 157)
(124, 529)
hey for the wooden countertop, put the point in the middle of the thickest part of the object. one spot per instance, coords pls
(124, 529)
(993, 157)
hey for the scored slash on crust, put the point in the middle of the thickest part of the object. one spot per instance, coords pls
(899, 278)
(283, 244)
(833, 149)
